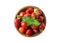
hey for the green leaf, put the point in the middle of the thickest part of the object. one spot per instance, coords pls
(30, 21)
(27, 19)
(36, 22)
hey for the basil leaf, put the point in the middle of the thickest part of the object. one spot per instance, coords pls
(36, 22)
(30, 21)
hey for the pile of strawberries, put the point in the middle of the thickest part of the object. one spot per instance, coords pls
(29, 30)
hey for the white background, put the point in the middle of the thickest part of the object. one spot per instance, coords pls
(8, 33)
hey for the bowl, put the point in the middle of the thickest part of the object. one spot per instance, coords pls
(30, 21)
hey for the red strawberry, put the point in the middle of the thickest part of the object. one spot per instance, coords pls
(41, 18)
(34, 27)
(40, 11)
(35, 31)
(17, 23)
(42, 26)
(22, 13)
(29, 32)
(21, 29)
(33, 15)
(37, 17)
(24, 25)
(29, 10)
(27, 14)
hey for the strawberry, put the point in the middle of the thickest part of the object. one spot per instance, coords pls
(17, 23)
(29, 32)
(42, 26)
(24, 25)
(22, 14)
(41, 18)
(35, 31)
(29, 10)
(21, 29)
(40, 11)
(27, 14)
(34, 27)
(33, 15)
(37, 17)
